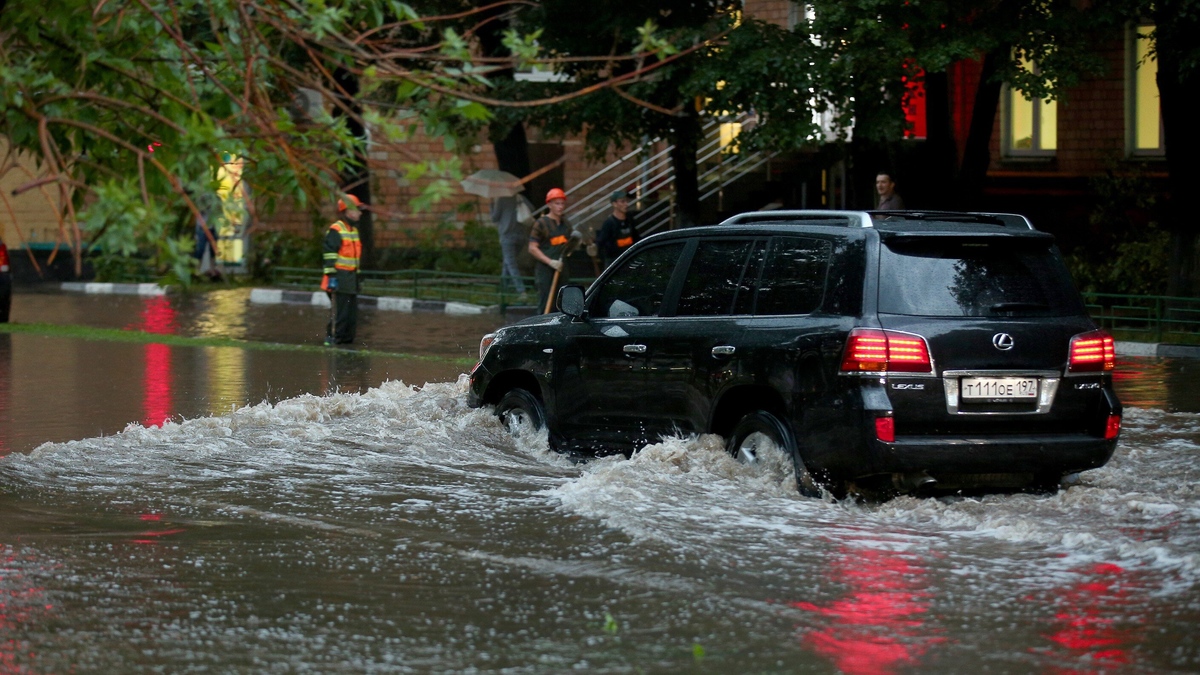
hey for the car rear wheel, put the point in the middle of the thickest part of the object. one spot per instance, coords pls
(751, 437)
(521, 412)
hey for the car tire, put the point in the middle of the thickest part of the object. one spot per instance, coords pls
(761, 426)
(520, 410)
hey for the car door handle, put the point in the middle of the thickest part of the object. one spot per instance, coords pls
(723, 350)
(634, 349)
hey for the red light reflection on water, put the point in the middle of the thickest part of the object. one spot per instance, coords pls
(20, 605)
(157, 317)
(879, 625)
(1086, 623)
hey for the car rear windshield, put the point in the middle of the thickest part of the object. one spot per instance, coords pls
(974, 277)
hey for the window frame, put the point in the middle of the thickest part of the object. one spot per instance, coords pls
(1007, 117)
(1132, 31)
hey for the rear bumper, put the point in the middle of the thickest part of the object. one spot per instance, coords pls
(994, 454)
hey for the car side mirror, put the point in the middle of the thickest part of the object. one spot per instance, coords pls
(570, 301)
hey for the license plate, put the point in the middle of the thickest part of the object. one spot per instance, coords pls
(999, 387)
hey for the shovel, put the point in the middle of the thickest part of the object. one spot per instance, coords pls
(576, 237)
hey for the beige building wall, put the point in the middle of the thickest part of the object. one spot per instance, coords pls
(28, 217)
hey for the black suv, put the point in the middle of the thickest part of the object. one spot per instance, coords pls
(916, 350)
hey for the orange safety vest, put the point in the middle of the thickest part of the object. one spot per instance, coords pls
(625, 243)
(351, 248)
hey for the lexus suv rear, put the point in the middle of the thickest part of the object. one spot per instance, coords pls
(905, 349)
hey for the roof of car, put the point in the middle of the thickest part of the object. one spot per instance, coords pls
(934, 223)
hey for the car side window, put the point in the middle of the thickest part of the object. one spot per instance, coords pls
(716, 273)
(638, 287)
(793, 281)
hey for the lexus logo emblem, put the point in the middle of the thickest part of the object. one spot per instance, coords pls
(1002, 341)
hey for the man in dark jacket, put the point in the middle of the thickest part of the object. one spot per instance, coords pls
(618, 232)
(342, 250)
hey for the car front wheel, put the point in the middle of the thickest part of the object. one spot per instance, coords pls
(760, 430)
(521, 412)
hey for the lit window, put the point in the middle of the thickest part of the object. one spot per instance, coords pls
(1031, 123)
(1145, 112)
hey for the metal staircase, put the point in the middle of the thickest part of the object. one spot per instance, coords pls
(650, 182)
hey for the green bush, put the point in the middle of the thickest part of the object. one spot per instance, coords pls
(283, 249)
(475, 249)
(1128, 251)
(115, 268)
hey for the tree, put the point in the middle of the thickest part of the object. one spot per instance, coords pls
(656, 70)
(1177, 23)
(870, 50)
(130, 107)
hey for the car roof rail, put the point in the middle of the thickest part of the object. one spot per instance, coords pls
(1002, 219)
(848, 218)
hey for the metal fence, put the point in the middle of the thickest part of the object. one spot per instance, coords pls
(476, 289)
(1150, 318)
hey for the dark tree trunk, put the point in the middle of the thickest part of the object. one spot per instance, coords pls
(977, 154)
(356, 177)
(512, 150)
(1175, 31)
(509, 141)
(686, 143)
(939, 142)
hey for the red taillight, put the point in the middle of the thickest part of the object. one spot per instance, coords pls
(1112, 427)
(1092, 353)
(870, 350)
(885, 429)
(3, 258)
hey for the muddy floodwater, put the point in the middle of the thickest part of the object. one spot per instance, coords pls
(384, 526)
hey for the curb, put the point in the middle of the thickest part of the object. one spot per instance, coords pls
(115, 289)
(1158, 350)
(274, 296)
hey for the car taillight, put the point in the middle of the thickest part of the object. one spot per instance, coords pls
(1092, 352)
(870, 350)
(1112, 427)
(885, 429)
(3, 258)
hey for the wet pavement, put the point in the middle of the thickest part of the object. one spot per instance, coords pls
(269, 525)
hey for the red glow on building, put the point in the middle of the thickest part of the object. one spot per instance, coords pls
(914, 102)
(879, 626)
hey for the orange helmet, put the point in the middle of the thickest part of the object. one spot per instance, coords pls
(555, 193)
(353, 202)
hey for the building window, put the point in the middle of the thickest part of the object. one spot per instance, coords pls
(1145, 112)
(1031, 124)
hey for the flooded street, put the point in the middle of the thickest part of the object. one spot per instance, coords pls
(332, 513)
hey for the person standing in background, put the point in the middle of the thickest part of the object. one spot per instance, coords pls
(618, 231)
(548, 242)
(342, 251)
(512, 239)
(889, 200)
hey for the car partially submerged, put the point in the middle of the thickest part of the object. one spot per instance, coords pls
(913, 350)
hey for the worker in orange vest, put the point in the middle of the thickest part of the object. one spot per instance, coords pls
(342, 252)
(550, 240)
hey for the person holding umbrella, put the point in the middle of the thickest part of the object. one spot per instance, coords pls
(549, 241)
(342, 250)
(504, 189)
